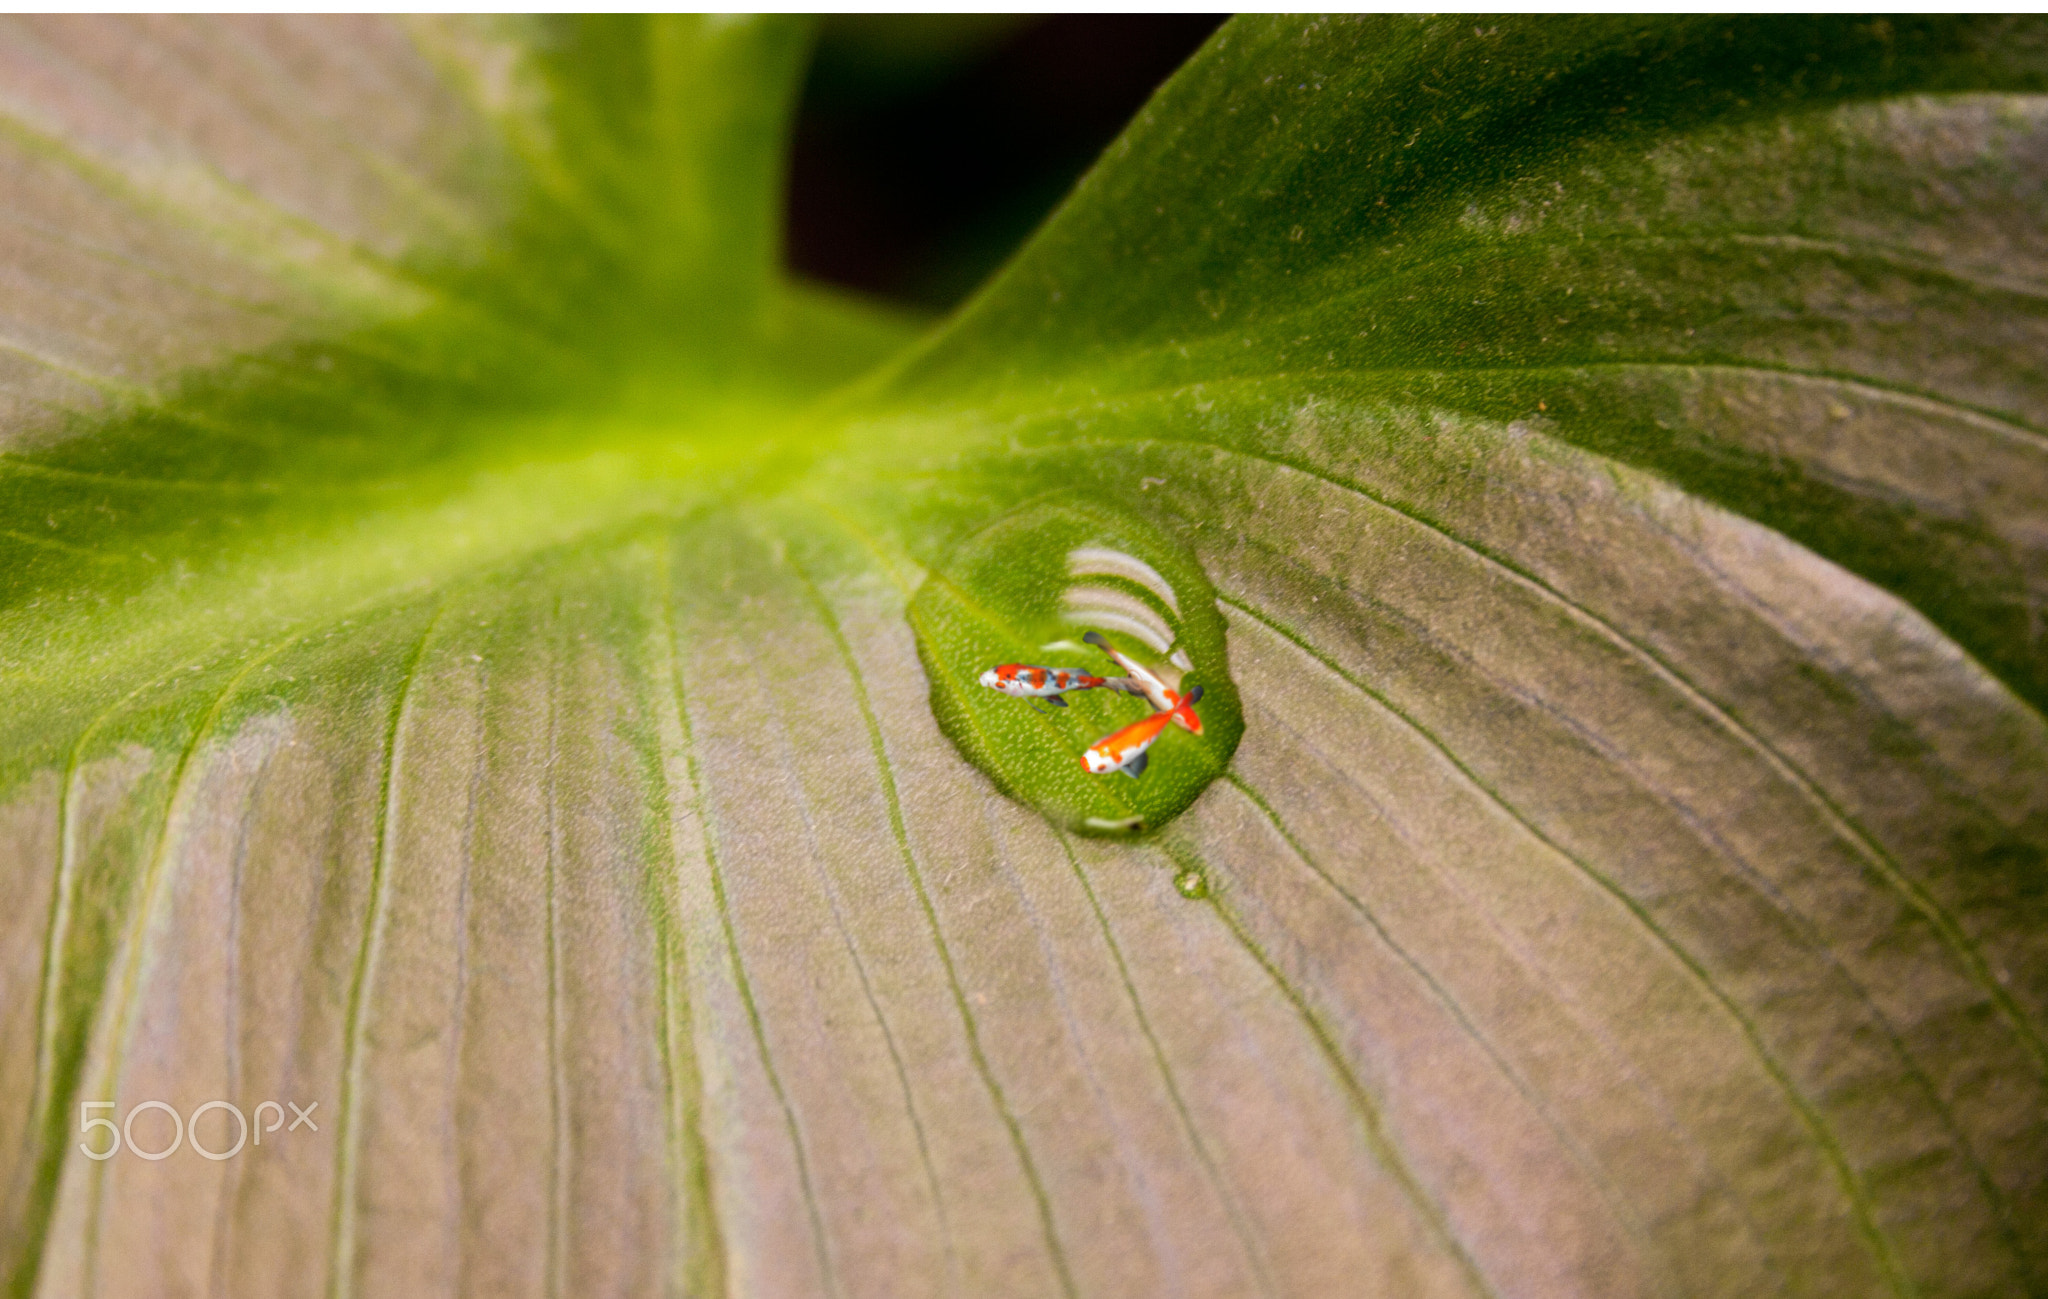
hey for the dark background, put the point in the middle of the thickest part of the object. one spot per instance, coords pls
(928, 146)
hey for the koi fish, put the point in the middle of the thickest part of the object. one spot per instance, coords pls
(1145, 685)
(1125, 750)
(1022, 681)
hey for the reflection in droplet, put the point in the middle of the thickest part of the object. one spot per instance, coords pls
(1083, 560)
(1108, 609)
(1115, 825)
(1028, 588)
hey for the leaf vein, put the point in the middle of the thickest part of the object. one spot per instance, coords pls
(1853, 1188)
(742, 984)
(973, 1034)
(342, 1219)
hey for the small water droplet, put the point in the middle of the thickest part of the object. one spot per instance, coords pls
(1192, 884)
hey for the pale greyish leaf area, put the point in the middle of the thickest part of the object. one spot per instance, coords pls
(459, 670)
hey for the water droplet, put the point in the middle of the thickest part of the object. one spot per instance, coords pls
(1192, 884)
(1029, 588)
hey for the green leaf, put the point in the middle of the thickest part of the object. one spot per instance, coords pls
(483, 651)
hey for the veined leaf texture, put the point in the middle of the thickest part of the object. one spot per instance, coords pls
(460, 669)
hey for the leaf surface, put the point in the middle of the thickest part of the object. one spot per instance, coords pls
(477, 654)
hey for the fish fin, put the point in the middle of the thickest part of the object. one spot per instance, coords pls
(1136, 766)
(1184, 712)
(1057, 701)
(1137, 680)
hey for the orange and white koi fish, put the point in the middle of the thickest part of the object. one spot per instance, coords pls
(1022, 681)
(1125, 750)
(1143, 683)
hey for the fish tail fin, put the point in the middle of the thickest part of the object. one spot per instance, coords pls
(1184, 714)
(1101, 642)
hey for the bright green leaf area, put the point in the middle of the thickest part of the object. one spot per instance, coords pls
(1596, 468)
(626, 357)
